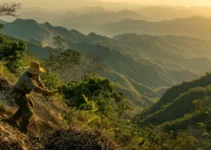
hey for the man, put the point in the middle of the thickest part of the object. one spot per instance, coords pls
(21, 91)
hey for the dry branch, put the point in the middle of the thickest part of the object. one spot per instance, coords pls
(79, 140)
(9, 9)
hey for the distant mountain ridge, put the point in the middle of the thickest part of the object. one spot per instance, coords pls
(133, 60)
(196, 26)
(157, 13)
(101, 19)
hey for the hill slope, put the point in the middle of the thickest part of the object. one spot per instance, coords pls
(181, 103)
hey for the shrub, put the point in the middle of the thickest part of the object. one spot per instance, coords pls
(95, 88)
(51, 80)
(12, 52)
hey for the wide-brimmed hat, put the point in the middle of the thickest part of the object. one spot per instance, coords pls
(34, 68)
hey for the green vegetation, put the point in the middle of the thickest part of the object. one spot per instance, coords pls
(12, 53)
(99, 90)
(51, 80)
(184, 110)
(177, 90)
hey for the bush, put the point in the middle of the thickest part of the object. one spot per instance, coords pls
(50, 80)
(12, 52)
(94, 88)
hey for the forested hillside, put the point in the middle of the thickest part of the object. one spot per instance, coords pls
(182, 107)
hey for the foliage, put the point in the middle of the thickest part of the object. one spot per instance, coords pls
(50, 80)
(12, 52)
(88, 105)
(93, 88)
(58, 42)
(62, 60)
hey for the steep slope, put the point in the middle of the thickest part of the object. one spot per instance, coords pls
(46, 130)
(180, 106)
(178, 101)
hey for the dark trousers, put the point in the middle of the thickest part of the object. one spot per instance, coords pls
(25, 110)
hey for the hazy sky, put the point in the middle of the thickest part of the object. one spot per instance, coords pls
(167, 2)
(62, 3)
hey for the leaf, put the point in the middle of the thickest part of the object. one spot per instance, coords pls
(94, 118)
(85, 98)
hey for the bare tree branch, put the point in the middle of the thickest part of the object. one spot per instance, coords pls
(9, 9)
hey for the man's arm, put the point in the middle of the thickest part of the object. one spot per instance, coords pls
(43, 91)
(39, 83)
(30, 85)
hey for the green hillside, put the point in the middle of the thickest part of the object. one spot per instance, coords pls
(179, 104)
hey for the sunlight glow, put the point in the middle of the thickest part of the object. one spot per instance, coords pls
(65, 3)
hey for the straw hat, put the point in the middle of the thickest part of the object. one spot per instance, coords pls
(34, 68)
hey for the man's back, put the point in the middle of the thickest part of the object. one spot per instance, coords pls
(25, 83)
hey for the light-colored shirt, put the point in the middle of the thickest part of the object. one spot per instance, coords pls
(25, 83)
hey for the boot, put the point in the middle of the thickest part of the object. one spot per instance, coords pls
(25, 121)
(24, 130)
(14, 119)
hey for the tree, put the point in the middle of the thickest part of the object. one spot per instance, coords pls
(9, 9)
(62, 59)
(59, 42)
(91, 63)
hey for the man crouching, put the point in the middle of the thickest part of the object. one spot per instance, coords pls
(21, 91)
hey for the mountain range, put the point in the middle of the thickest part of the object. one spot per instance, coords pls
(104, 20)
(195, 26)
(144, 65)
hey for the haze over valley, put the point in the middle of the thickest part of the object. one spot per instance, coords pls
(138, 71)
(162, 43)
